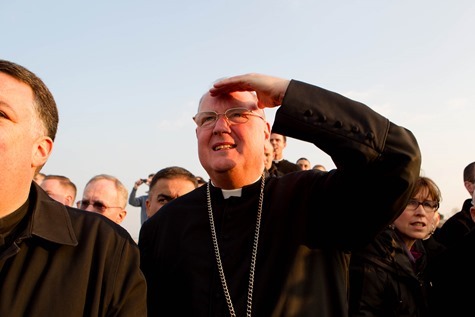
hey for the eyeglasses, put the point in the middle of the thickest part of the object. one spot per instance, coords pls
(97, 205)
(207, 119)
(428, 205)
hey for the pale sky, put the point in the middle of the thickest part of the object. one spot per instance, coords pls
(127, 75)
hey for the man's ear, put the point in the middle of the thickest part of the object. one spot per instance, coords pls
(147, 207)
(41, 151)
(267, 131)
(121, 216)
(69, 201)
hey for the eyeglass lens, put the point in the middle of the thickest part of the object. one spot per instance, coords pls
(95, 204)
(426, 204)
(235, 115)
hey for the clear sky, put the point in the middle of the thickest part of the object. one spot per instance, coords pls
(127, 75)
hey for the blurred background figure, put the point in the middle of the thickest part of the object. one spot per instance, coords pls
(105, 194)
(279, 142)
(319, 167)
(200, 181)
(140, 201)
(39, 177)
(462, 222)
(168, 184)
(60, 188)
(304, 164)
(270, 168)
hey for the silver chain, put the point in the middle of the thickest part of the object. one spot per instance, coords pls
(253, 257)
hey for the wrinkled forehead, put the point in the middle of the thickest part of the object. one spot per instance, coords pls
(239, 99)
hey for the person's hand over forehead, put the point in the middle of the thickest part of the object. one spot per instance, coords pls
(270, 90)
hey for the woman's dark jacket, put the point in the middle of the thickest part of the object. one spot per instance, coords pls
(385, 283)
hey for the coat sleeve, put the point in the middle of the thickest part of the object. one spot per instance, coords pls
(129, 287)
(377, 161)
(133, 200)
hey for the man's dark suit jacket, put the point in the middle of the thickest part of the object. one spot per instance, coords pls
(286, 167)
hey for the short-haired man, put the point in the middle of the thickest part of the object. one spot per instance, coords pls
(462, 222)
(55, 260)
(304, 164)
(270, 168)
(168, 184)
(105, 194)
(452, 275)
(60, 188)
(39, 177)
(279, 142)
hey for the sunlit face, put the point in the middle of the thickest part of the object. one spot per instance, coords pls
(57, 191)
(165, 190)
(279, 144)
(268, 155)
(416, 224)
(23, 144)
(472, 209)
(105, 192)
(304, 164)
(228, 147)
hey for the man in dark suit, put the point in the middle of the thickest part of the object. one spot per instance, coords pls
(462, 222)
(218, 250)
(279, 142)
(451, 274)
(55, 260)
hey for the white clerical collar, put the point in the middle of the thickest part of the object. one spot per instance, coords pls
(232, 192)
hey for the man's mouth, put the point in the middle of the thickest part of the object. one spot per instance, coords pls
(224, 147)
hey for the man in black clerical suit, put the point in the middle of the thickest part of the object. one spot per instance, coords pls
(219, 249)
(279, 142)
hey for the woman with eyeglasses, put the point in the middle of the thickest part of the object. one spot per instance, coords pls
(388, 278)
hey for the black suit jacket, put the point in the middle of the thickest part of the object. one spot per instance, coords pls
(286, 167)
(303, 272)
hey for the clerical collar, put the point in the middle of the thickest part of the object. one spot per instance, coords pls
(233, 192)
(277, 161)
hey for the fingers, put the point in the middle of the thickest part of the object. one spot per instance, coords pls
(236, 83)
(269, 90)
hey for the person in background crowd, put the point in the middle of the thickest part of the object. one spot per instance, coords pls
(452, 276)
(55, 260)
(60, 188)
(39, 177)
(304, 164)
(387, 278)
(200, 181)
(105, 194)
(219, 250)
(140, 201)
(320, 167)
(462, 222)
(168, 184)
(279, 142)
(270, 168)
